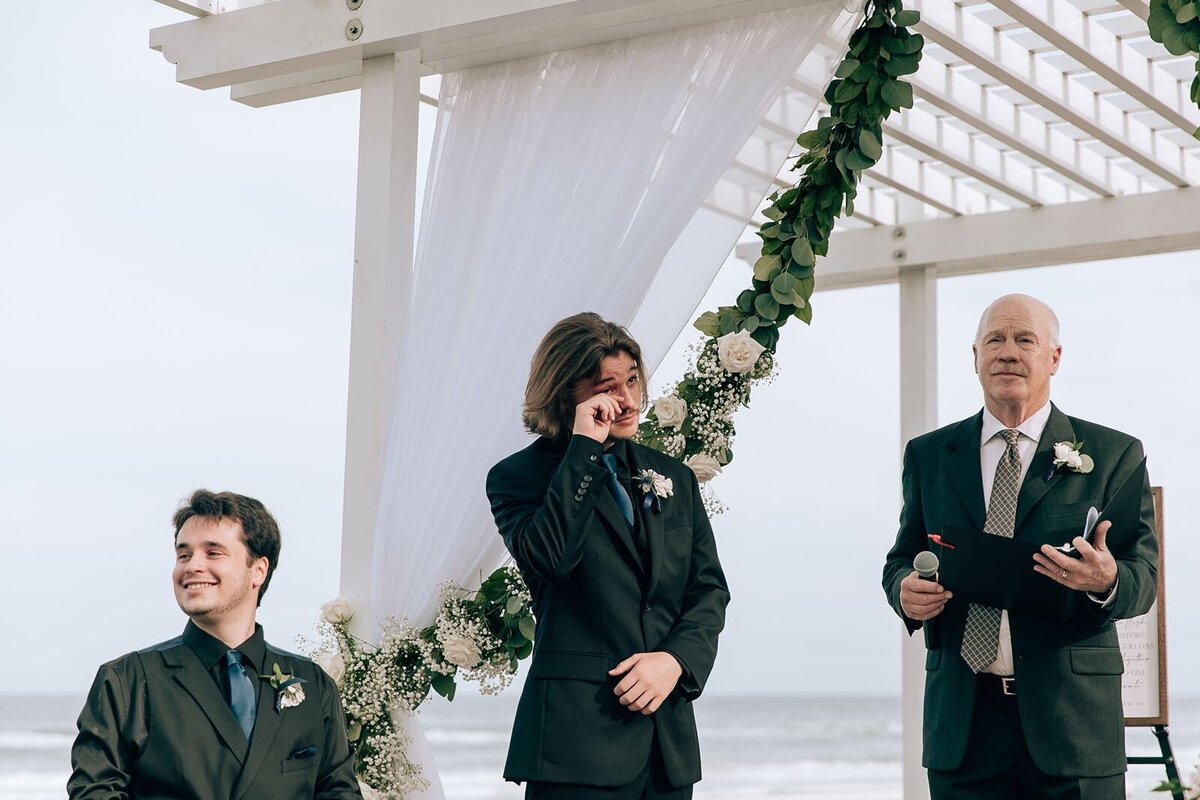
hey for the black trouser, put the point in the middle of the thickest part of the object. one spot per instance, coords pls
(998, 766)
(651, 784)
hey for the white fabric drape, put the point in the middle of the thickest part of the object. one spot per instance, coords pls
(557, 184)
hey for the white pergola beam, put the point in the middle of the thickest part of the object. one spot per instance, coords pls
(384, 236)
(1009, 138)
(199, 8)
(1039, 22)
(294, 36)
(881, 174)
(1091, 230)
(902, 136)
(991, 64)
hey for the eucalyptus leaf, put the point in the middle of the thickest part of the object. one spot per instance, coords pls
(846, 68)
(767, 307)
(749, 324)
(802, 253)
(708, 324)
(785, 284)
(514, 605)
(907, 18)
(772, 213)
(745, 300)
(857, 161)
(1186, 14)
(870, 145)
(1174, 40)
(847, 90)
(764, 265)
(527, 627)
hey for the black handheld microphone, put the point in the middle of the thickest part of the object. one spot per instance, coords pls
(926, 564)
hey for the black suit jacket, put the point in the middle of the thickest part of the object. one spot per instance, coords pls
(597, 603)
(157, 727)
(1068, 670)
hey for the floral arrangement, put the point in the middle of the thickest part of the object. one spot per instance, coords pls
(694, 421)
(477, 636)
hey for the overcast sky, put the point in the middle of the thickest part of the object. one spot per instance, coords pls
(175, 310)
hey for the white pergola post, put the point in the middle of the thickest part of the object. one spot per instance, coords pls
(383, 265)
(918, 414)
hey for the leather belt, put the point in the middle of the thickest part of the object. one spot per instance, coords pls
(1001, 684)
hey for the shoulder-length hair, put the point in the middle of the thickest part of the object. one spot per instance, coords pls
(571, 351)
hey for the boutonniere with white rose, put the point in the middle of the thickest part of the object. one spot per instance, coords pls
(654, 488)
(288, 689)
(1071, 456)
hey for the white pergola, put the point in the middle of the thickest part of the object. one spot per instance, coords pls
(1044, 132)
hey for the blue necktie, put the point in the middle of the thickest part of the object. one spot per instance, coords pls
(241, 692)
(618, 491)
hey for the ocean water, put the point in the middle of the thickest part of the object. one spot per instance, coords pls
(783, 748)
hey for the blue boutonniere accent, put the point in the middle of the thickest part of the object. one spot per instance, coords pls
(654, 488)
(288, 689)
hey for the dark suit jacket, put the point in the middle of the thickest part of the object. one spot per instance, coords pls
(156, 726)
(1068, 670)
(597, 603)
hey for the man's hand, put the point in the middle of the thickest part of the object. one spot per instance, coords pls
(649, 678)
(594, 416)
(1095, 572)
(921, 599)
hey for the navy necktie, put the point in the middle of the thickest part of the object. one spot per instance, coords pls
(618, 491)
(241, 692)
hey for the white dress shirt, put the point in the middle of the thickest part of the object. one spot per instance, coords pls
(991, 449)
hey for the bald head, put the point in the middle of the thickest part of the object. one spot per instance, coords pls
(1016, 352)
(1023, 305)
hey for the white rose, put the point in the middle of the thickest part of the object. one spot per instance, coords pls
(705, 466)
(337, 611)
(671, 411)
(369, 792)
(333, 664)
(738, 352)
(461, 651)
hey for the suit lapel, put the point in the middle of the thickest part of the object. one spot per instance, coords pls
(652, 525)
(266, 724)
(189, 673)
(961, 466)
(606, 507)
(1041, 476)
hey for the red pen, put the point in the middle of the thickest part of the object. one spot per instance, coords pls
(936, 538)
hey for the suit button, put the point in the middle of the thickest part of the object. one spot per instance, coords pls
(647, 608)
(591, 458)
(578, 497)
(587, 479)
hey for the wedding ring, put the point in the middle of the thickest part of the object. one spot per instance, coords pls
(1064, 574)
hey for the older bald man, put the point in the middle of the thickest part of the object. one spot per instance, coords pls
(1022, 705)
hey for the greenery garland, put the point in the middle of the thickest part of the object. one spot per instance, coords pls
(478, 635)
(694, 422)
(1176, 25)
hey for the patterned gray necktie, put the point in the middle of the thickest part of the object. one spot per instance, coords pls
(981, 636)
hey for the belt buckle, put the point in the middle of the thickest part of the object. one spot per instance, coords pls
(1008, 686)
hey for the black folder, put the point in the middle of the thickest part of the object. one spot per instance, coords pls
(998, 571)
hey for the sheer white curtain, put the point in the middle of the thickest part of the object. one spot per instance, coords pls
(557, 184)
